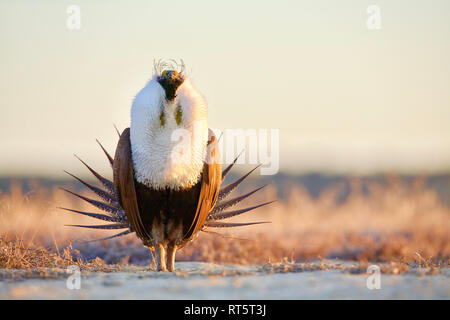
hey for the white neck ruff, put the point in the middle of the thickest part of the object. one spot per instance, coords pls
(169, 155)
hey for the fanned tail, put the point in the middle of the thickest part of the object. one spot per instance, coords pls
(217, 213)
(95, 215)
(106, 226)
(116, 215)
(227, 169)
(230, 224)
(113, 236)
(110, 159)
(99, 192)
(100, 205)
(113, 212)
(219, 207)
(226, 215)
(105, 182)
(225, 191)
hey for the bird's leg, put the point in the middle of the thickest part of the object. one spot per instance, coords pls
(160, 257)
(171, 250)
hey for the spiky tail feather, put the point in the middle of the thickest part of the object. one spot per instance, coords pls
(116, 215)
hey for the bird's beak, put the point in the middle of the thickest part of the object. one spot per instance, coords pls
(170, 80)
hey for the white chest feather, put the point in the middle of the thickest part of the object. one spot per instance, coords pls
(168, 140)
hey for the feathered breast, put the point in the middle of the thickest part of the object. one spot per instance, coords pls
(168, 138)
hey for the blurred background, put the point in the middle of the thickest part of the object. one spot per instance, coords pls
(363, 114)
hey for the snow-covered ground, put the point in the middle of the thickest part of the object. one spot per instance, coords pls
(194, 280)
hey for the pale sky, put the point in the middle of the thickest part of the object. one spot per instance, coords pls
(346, 99)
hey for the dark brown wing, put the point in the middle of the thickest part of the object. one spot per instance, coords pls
(210, 184)
(124, 184)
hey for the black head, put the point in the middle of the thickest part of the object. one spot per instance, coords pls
(170, 80)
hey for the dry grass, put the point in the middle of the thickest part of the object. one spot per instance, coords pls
(14, 255)
(403, 225)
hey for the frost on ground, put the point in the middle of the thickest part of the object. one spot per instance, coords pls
(197, 280)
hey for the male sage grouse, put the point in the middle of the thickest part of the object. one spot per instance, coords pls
(163, 190)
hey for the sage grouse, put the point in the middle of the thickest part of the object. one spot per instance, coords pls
(163, 192)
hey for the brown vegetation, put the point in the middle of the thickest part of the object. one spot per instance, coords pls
(397, 223)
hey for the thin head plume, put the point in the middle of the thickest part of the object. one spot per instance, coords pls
(160, 65)
(179, 66)
(157, 66)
